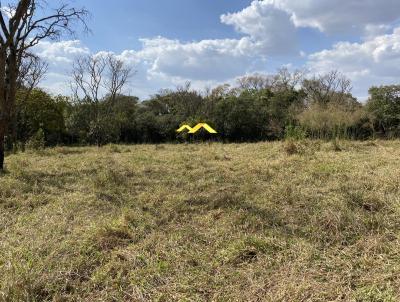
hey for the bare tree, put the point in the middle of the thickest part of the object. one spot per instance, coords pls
(87, 77)
(255, 82)
(31, 72)
(284, 79)
(117, 76)
(220, 91)
(325, 88)
(96, 78)
(22, 26)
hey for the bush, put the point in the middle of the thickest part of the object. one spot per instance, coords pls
(330, 121)
(37, 141)
(294, 132)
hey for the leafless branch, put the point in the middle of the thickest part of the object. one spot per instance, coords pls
(332, 86)
(117, 76)
(31, 71)
(93, 74)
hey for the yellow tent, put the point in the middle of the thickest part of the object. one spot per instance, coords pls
(196, 128)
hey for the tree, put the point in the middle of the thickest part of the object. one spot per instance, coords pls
(40, 111)
(384, 108)
(256, 82)
(284, 79)
(28, 24)
(117, 76)
(241, 118)
(326, 88)
(96, 78)
(31, 71)
(124, 111)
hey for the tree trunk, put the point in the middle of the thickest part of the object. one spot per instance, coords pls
(3, 106)
(2, 136)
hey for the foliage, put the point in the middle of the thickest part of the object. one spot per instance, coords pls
(41, 111)
(260, 108)
(294, 132)
(330, 121)
(384, 108)
(37, 141)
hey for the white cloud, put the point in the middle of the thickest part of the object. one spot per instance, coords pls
(268, 25)
(56, 83)
(60, 53)
(372, 62)
(165, 63)
(59, 56)
(373, 30)
(339, 16)
(160, 63)
(203, 60)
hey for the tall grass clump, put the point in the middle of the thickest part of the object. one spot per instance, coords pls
(37, 141)
(330, 121)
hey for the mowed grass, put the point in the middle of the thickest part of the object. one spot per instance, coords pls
(202, 222)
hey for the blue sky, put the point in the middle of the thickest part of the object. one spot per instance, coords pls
(185, 20)
(210, 42)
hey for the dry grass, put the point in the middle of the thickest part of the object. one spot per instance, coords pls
(207, 222)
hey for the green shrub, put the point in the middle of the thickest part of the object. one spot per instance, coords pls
(37, 141)
(294, 132)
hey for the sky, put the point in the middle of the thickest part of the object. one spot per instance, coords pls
(211, 42)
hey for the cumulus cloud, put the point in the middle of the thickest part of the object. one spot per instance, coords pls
(373, 30)
(59, 56)
(165, 63)
(60, 53)
(267, 24)
(160, 63)
(372, 62)
(340, 15)
(203, 60)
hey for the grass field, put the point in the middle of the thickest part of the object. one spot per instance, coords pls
(314, 221)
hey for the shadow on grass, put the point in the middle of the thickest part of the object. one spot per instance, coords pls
(267, 217)
(4, 172)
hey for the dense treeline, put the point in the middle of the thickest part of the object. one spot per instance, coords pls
(258, 108)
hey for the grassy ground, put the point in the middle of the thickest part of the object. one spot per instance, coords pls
(311, 221)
